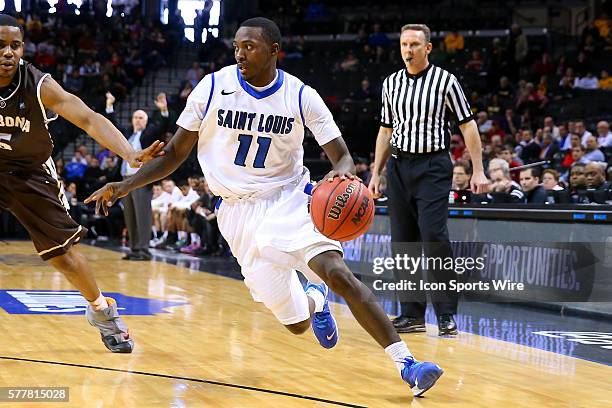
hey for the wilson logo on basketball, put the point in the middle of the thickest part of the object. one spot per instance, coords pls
(361, 211)
(340, 203)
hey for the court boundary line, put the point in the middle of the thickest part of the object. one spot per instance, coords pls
(192, 379)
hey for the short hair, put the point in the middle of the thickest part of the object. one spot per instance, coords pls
(535, 172)
(418, 27)
(552, 172)
(500, 164)
(465, 165)
(182, 182)
(270, 30)
(7, 20)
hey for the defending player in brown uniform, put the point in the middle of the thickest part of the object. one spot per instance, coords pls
(30, 188)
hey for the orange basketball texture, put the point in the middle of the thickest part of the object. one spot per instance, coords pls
(342, 209)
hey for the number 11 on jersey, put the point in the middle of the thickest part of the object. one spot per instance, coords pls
(263, 143)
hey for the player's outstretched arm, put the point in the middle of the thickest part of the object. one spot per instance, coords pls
(73, 109)
(343, 165)
(177, 151)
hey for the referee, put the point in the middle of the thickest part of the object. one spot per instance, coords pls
(416, 104)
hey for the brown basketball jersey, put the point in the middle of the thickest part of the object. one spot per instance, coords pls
(25, 142)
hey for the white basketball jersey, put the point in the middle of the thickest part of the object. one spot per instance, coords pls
(251, 141)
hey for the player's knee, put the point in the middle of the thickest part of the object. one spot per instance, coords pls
(298, 328)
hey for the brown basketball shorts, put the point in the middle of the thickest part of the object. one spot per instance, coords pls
(37, 200)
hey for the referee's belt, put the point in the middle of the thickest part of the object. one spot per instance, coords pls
(400, 154)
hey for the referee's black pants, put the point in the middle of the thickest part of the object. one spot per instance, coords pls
(418, 187)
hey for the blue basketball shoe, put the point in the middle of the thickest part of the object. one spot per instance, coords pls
(420, 376)
(323, 323)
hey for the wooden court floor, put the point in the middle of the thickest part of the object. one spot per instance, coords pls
(220, 349)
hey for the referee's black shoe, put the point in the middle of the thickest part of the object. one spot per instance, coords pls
(446, 325)
(405, 324)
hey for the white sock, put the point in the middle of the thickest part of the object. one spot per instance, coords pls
(317, 297)
(154, 230)
(165, 235)
(182, 235)
(195, 238)
(100, 303)
(398, 352)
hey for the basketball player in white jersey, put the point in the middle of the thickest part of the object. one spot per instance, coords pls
(248, 121)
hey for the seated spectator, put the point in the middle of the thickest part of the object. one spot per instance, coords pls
(605, 82)
(94, 177)
(178, 215)
(586, 82)
(577, 180)
(74, 83)
(569, 157)
(550, 180)
(581, 130)
(595, 176)
(578, 155)
(476, 63)
(364, 93)
(462, 173)
(530, 183)
(494, 108)
(203, 221)
(503, 190)
(565, 138)
(550, 123)
(592, 152)
(60, 168)
(195, 73)
(505, 92)
(510, 123)
(505, 153)
(530, 100)
(362, 168)
(543, 66)
(454, 42)
(159, 206)
(568, 79)
(484, 123)
(549, 147)
(604, 136)
(529, 148)
(183, 95)
(377, 38)
(350, 63)
(169, 235)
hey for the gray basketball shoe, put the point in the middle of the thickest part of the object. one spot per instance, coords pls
(114, 332)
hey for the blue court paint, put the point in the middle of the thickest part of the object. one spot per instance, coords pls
(19, 301)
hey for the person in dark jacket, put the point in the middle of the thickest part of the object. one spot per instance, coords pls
(534, 191)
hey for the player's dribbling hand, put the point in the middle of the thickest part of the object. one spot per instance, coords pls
(329, 177)
(374, 185)
(140, 157)
(107, 196)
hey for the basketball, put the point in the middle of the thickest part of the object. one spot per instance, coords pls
(342, 210)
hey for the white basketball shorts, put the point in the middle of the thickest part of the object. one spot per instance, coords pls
(272, 237)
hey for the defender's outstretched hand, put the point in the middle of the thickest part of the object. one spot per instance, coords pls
(107, 196)
(140, 157)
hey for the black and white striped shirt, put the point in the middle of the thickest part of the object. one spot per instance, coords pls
(417, 107)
